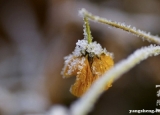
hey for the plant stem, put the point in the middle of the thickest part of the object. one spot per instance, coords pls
(87, 30)
(133, 30)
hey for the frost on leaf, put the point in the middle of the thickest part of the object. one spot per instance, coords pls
(88, 62)
(73, 66)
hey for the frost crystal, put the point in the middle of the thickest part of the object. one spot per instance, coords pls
(73, 64)
(81, 46)
(94, 48)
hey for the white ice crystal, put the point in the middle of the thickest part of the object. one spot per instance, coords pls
(80, 48)
(93, 49)
(73, 64)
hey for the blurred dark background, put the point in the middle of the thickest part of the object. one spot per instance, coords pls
(35, 35)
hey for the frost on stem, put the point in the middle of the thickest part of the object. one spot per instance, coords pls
(137, 32)
(87, 31)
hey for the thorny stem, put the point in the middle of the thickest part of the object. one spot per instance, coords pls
(87, 30)
(133, 30)
(87, 101)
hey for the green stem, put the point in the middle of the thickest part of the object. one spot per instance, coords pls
(87, 30)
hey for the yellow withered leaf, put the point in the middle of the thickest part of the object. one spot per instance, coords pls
(87, 70)
(100, 65)
(83, 80)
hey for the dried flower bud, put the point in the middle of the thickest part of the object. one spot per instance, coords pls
(88, 62)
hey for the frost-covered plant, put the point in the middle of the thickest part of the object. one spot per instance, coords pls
(87, 52)
(88, 62)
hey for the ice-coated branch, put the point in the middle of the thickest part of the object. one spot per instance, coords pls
(128, 28)
(87, 101)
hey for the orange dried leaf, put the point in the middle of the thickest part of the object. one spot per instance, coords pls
(83, 80)
(88, 62)
(90, 73)
(100, 65)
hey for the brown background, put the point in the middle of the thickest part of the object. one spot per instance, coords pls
(35, 35)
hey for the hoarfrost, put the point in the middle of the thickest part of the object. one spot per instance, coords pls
(77, 58)
(94, 48)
